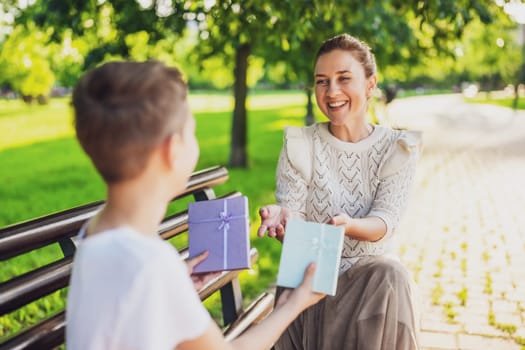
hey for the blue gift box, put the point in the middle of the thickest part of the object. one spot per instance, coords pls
(307, 242)
(220, 226)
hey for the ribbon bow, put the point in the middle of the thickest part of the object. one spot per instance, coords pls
(318, 245)
(225, 218)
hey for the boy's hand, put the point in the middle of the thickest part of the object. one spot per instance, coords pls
(273, 220)
(303, 294)
(199, 279)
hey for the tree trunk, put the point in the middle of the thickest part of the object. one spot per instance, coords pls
(238, 152)
(309, 119)
(516, 96)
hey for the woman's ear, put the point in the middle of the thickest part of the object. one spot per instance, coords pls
(371, 85)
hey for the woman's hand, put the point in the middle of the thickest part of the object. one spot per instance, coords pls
(273, 220)
(199, 279)
(341, 219)
(302, 296)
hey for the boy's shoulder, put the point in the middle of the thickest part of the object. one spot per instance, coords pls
(124, 245)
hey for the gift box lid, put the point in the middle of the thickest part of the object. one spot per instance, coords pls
(307, 242)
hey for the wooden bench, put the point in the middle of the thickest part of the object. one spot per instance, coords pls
(62, 228)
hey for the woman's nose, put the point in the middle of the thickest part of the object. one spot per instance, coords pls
(333, 89)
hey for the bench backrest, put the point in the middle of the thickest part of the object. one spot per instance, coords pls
(62, 228)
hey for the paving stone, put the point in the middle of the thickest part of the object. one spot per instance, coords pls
(476, 342)
(504, 306)
(442, 341)
(440, 326)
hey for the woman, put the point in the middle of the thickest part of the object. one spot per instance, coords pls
(349, 173)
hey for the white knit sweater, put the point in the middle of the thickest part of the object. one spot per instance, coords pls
(319, 176)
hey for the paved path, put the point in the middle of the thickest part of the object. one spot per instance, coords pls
(463, 236)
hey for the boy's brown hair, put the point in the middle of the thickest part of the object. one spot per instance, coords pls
(123, 110)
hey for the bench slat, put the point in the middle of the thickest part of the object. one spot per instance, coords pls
(26, 236)
(45, 335)
(33, 285)
(224, 278)
(253, 314)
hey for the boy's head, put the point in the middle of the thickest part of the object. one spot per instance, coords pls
(124, 110)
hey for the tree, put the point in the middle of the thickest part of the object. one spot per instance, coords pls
(276, 30)
(24, 63)
(238, 30)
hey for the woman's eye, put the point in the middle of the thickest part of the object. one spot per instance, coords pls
(345, 78)
(321, 82)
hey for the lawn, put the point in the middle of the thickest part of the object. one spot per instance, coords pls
(505, 102)
(44, 171)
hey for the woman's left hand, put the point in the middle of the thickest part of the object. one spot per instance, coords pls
(341, 219)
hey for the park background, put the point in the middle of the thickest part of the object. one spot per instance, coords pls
(249, 68)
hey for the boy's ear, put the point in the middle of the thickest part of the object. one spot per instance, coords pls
(169, 150)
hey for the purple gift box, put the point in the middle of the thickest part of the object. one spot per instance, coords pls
(220, 226)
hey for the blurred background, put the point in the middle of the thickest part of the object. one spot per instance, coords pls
(452, 69)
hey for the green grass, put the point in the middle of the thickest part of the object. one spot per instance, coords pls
(504, 102)
(44, 171)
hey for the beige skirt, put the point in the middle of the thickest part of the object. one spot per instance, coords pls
(373, 309)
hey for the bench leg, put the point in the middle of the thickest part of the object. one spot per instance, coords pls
(231, 298)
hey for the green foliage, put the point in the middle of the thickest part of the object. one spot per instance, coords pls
(68, 60)
(24, 62)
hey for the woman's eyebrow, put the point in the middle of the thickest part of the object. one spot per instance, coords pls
(345, 71)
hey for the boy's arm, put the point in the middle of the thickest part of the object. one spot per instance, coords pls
(266, 333)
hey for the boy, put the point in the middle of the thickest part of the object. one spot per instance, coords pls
(130, 289)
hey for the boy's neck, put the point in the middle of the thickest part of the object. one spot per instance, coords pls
(132, 204)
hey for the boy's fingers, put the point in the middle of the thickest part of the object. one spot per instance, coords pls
(192, 262)
(309, 274)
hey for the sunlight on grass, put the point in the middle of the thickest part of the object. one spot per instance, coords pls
(23, 125)
(274, 100)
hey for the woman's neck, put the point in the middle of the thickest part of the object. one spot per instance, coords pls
(351, 132)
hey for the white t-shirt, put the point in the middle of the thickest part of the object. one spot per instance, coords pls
(130, 291)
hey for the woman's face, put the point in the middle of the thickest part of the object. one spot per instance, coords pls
(341, 87)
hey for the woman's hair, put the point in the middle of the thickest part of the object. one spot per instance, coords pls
(123, 110)
(360, 50)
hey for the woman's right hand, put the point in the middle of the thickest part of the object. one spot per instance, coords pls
(302, 296)
(273, 220)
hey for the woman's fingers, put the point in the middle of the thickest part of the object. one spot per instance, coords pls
(262, 230)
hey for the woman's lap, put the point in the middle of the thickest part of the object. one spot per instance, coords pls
(373, 309)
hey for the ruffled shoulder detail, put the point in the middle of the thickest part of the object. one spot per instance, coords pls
(297, 143)
(407, 146)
